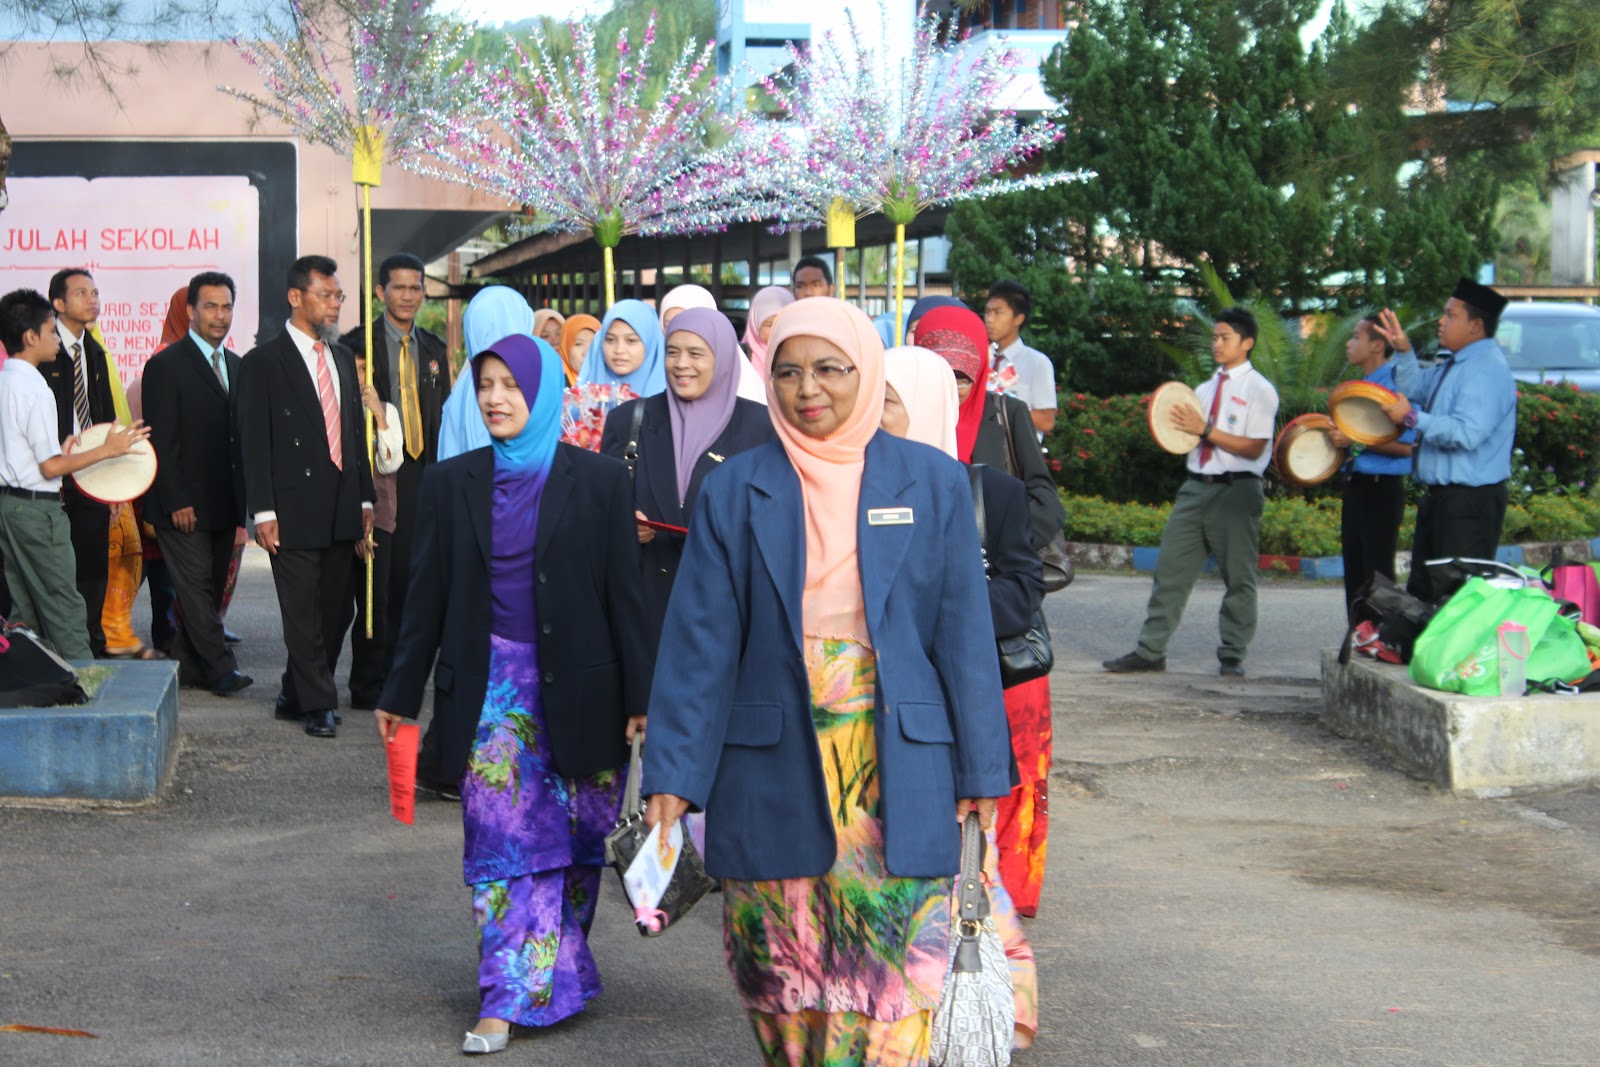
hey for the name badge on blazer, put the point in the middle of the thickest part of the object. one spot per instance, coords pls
(889, 517)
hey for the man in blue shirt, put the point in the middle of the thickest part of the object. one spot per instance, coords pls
(1465, 420)
(1374, 476)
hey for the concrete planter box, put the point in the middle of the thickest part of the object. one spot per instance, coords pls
(1471, 745)
(118, 746)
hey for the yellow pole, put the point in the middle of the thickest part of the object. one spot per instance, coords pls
(611, 278)
(900, 283)
(366, 289)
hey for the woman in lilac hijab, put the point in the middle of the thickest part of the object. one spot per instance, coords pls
(677, 437)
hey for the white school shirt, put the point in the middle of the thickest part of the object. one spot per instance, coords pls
(28, 434)
(1036, 375)
(1249, 409)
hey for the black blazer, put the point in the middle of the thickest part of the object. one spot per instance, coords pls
(593, 656)
(1046, 516)
(286, 463)
(655, 488)
(58, 375)
(191, 420)
(1016, 577)
(433, 379)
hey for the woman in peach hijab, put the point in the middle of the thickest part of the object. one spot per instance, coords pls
(764, 308)
(827, 692)
(576, 334)
(547, 324)
(683, 297)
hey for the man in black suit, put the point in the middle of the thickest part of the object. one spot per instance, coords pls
(307, 482)
(197, 501)
(81, 382)
(411, 370)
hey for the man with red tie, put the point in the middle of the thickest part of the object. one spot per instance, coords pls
(1218, 509)
(307, 482)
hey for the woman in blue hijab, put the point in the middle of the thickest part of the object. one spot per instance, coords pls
(631, 350)
(497, 311)
(537, 697)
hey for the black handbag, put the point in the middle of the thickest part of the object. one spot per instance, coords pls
(1027, 655)
(1056, 557)
(31, 674)
(689, 879)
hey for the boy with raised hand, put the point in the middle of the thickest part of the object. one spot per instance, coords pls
(34, 535)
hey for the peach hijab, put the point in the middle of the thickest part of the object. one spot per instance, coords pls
(830, 468)
(927, 390)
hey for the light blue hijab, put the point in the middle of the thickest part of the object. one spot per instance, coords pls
(650, 377)
(538, 371)
(495, 313)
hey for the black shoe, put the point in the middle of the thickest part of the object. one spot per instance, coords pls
(363, 704)
(231, 683)
(1133, 663)
(322, 724)
(231, 637)
(443, 790)
(286, 711)
(1231, 669)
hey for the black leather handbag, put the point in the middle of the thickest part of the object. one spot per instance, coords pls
(1027, 655)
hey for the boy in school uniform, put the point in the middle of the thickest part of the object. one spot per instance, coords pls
(35, 538)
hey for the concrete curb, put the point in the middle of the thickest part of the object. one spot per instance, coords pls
(1323, 568)
(118, 746)
(1478, 746)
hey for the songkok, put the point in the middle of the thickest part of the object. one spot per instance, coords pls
(1481, 297)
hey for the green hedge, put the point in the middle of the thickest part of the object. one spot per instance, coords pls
(1294, 526)
(1101, 446)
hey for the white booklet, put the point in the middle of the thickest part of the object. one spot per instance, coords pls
(648, 876)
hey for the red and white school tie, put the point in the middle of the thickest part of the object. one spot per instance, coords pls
(1206, 448)
(330, 406)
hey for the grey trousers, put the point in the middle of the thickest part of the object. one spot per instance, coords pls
(42, 571)
(1217, 520)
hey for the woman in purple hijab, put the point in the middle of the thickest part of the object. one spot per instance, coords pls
(539, 685)
(673, 440)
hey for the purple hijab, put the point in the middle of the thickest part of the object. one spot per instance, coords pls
(696, 424)
(521, 466)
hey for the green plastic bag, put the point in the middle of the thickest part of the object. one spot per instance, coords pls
(1458, 651)
(1560, 655)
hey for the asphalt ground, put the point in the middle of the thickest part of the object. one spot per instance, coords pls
(1228, 884)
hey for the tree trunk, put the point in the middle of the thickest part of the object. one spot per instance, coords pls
(5, 161)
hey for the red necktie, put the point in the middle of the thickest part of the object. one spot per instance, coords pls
(1216, 406)
(330, 406)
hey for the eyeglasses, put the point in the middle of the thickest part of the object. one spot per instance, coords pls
(333, 297)
(789, 377)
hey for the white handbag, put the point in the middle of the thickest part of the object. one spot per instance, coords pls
(973, 1024)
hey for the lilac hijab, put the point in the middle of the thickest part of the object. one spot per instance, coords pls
(696, 424)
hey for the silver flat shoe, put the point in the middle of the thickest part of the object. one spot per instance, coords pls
(483, 1044)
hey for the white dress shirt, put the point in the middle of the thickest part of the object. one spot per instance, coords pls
(305, 344)
(28, 434)
(1249, 409)
(80, 368)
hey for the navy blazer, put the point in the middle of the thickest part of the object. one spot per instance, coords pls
(594, 661)
(730, 709)
(655, 484)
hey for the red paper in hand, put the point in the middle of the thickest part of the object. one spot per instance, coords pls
(402, 756)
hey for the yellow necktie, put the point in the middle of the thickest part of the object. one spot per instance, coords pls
(410, 404)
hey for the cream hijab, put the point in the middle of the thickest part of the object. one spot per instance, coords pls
(927, 391)
(830, 468)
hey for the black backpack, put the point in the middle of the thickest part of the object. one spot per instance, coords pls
(31, 674)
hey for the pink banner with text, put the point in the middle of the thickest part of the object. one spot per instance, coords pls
(142, 239)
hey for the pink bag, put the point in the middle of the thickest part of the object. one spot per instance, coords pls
(1577, 582)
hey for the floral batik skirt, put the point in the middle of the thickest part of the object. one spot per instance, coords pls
(1022, 823)
(846, 968)
(533, 853)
